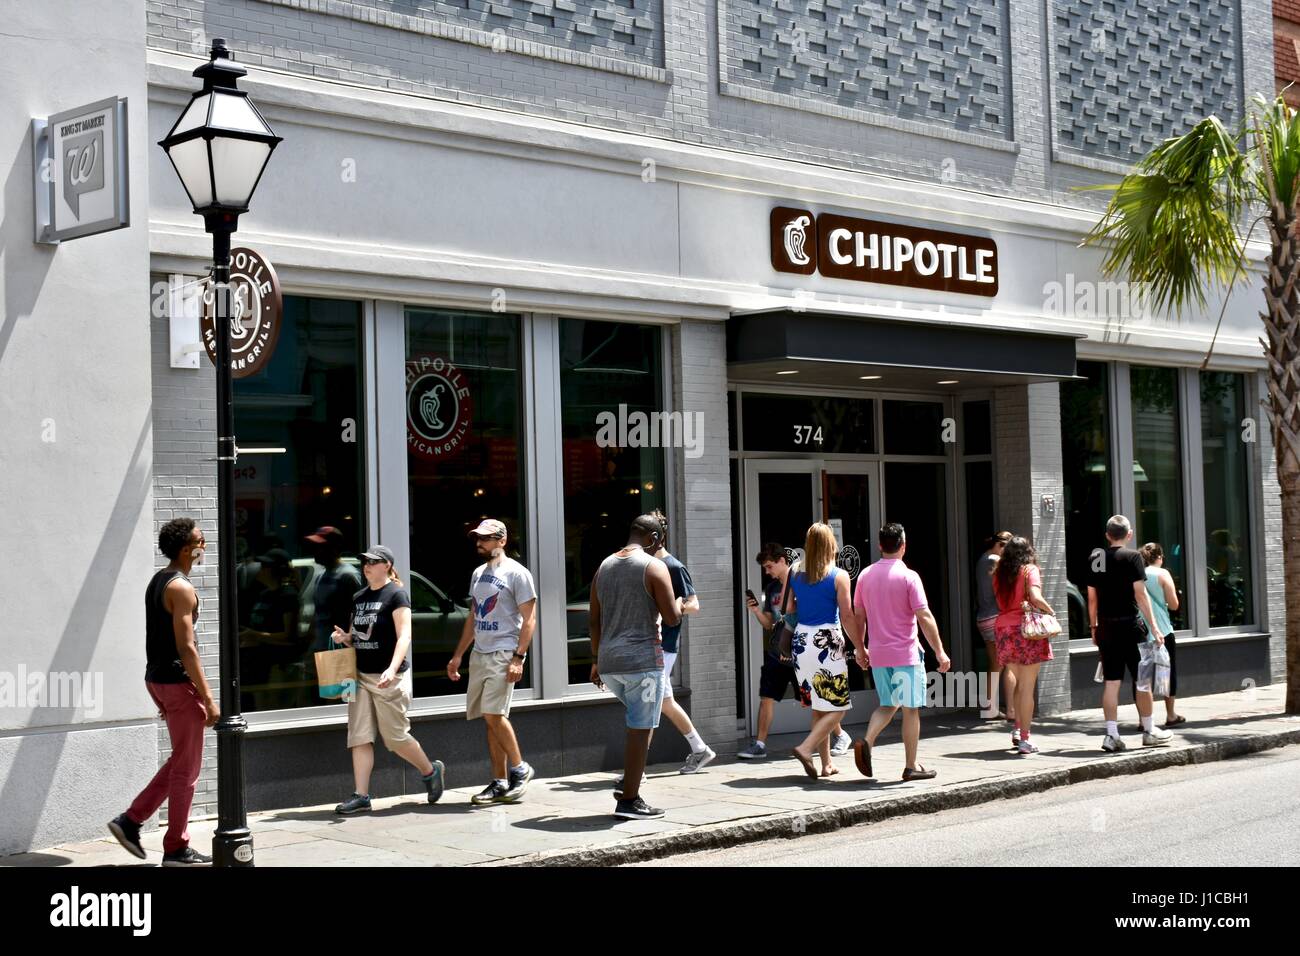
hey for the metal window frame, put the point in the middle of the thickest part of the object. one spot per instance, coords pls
(546, 430)
(1258, 619)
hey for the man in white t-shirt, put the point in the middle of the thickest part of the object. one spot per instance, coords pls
(503, 605)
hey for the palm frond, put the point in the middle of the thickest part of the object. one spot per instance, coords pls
(1276, 177)
(1171, 223)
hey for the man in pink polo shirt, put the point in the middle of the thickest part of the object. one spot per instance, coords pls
(889, 602)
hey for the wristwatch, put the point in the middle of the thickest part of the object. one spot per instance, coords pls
(522, 657)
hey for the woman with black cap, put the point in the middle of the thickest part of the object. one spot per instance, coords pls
(381, 635)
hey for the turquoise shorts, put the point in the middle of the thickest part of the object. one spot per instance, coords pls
(900, 686)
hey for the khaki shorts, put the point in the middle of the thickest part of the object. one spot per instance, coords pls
(488, 691)
(381, 708)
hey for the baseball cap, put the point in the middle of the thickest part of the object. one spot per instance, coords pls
(489, 528)
(275, 557)
(378, 552)
(323, 534)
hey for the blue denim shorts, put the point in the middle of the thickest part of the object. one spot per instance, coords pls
(642, 693)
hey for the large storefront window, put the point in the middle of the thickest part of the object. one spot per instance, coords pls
(307, 400)
(464, 463)
(610, 380)
(1086, 470)
(1158, 472)
(1227, 499)
(916, 496)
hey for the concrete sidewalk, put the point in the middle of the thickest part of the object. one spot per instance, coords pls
(568, 820)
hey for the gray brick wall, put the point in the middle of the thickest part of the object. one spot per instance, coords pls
(977, 77)
(703, 505)
(1027, 453)
(1127, 75)
(932, 61)
(185, 486)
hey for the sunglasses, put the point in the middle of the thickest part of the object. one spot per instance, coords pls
(370, 561)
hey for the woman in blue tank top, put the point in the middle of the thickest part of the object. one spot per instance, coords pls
(821, 600)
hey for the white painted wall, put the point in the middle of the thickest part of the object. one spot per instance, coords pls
(76, 513)
(377, 192)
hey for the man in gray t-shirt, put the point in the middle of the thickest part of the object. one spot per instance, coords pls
(503, 605)
(629, 594)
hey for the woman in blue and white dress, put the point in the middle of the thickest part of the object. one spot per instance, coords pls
(819, 646)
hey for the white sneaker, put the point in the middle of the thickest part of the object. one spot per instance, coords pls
(1155, 737)
(1026, 747)
(697, 762)
(1015, 739)
(841, 744)
(1113, 745)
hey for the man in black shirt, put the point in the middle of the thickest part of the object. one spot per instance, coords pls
(175, 680)
(1119, 609)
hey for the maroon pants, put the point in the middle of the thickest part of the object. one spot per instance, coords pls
(175, 780)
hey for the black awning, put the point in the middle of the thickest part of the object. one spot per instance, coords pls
(763, 340)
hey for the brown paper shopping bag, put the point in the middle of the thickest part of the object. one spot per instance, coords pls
(336, 673)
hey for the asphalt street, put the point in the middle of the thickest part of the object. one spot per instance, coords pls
(1240, 812)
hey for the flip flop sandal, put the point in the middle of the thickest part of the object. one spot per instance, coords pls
(808, 767)
(920, 773)
(1180, 719)
(830, 771)
(862, 757)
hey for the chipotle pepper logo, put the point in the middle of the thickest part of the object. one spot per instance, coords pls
(438, 407)
(794, 240)
(255, 307)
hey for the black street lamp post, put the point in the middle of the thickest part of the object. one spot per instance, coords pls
(219, 148)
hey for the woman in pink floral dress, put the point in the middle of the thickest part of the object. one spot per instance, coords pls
(1017, 579)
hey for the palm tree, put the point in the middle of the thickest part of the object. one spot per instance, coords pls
(1172, 228)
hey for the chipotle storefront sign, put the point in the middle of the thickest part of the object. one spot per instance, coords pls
(842, 247)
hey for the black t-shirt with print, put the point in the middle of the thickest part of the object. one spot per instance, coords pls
(374, 635)
(772, 606)
(1120, 569)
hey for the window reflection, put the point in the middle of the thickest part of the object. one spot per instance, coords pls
(1158, 473)
(1227, 498)
(1086, 469)
(307, 400)
(463, 399)
(610, 375)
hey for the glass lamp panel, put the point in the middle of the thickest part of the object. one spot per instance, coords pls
(238, 163)
(235, 112)
(195, 115)
(191, 161)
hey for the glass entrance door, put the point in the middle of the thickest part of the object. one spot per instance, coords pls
(782, 498)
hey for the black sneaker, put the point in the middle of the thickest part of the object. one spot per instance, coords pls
(618, 789)
(186, 857)
(494, 792)
(433, 783)
(636, 809)
(354, 804)
(518, 782)
(128, 834)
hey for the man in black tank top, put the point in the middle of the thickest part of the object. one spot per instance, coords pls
(175, 680)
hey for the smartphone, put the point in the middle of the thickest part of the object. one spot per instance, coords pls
(750, 594)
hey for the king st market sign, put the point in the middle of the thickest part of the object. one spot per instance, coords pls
(255, 307)
(864, 250)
